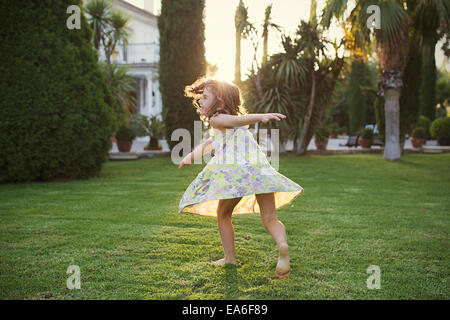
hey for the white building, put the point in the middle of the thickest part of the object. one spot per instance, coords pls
(142, 55)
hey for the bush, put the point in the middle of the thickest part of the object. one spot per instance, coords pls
(423, 122)
(419, 133)
(440, 128)
(366, 133)
(125, 134)
(55, 122)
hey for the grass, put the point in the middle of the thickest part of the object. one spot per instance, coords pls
(124, 231)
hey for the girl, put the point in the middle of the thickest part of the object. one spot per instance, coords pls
(226, 188)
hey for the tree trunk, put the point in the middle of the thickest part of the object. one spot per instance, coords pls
(237, 63)
(392, 150)
(265, 45)
(258, 86)
(301, 148)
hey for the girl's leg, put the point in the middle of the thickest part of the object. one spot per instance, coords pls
(224, 211)
(266, 202)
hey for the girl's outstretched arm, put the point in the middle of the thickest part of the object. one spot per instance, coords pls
(229, 121)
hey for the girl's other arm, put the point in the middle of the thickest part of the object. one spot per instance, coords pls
(229, 121)
(198, 151)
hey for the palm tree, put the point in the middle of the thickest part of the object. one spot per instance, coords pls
(122, 87)
(243, 28)
(119, 32)
(266, 25)
(287, 87)
(99, 19)
(392, 50)
(110, 28)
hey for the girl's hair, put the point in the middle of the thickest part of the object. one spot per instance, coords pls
(228, 97)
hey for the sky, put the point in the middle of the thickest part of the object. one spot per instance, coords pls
(220, 30)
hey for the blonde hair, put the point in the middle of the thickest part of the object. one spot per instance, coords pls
(228, 97)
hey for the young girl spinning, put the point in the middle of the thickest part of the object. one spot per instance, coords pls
(224, 189)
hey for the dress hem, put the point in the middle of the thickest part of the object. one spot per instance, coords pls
(241, 213)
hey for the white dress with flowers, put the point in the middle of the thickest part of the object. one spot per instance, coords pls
(239, 168)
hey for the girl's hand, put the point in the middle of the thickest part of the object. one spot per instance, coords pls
(186, 161)
(272, 116)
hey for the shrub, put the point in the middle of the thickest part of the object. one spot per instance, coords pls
(125, 134)
(56, 120)
(366, 133)
(423, 122)
(419, 133)
(440, 128)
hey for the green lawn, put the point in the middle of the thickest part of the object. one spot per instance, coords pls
(124, 231)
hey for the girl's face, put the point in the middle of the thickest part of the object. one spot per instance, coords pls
(206, 101)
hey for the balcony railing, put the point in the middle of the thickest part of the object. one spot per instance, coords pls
(137, 53)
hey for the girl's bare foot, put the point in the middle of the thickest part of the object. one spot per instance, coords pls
(283, 266)
(222, 261)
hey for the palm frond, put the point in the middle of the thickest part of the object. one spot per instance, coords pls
(333, 8)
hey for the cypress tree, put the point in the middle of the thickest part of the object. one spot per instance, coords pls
(54, 121)
(409, 100)
(428, 85)
(355, 97)
(182, 61)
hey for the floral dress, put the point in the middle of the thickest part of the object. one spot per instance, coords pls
(239, 168)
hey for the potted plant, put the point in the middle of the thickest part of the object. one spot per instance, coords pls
(148, 126)
(321, 137)
(366, 138)
(440, 129)
(156, 130)
(425, 123)
(418, 137)
(125, 136)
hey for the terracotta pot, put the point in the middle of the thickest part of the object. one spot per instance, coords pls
(333, 135)
(417, 143)
(321, 144)
(124, 146)
(113, 139)
(365, 143)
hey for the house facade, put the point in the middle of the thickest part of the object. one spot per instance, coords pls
(142, 56)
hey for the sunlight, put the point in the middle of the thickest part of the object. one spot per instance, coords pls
(220, 31)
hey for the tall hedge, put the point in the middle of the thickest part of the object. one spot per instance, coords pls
(54, 121)
(428, 84)
(182, 61)
(356, 98)
(410, 95)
